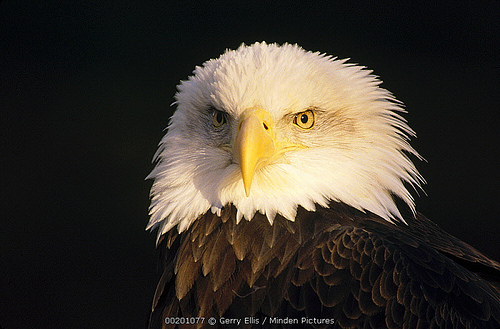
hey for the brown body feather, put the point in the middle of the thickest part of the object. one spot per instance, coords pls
(335, 263)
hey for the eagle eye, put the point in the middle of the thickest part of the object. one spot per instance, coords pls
(304, 120)
(218, 118)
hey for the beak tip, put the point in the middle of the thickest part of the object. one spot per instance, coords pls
(247, 184)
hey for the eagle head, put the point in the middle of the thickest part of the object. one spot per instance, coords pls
(268, 128)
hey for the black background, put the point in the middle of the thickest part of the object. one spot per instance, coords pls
(86, 89)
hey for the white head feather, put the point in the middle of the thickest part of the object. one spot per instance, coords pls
(356, 153)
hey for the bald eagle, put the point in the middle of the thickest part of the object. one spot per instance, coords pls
(281, 196)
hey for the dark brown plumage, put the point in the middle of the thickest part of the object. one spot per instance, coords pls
(335, 263)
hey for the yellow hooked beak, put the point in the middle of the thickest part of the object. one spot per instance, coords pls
(254, 144)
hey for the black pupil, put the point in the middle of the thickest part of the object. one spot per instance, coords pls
(304, 118)
(219, 117)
